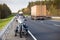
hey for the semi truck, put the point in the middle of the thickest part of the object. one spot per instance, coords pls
(38, 12)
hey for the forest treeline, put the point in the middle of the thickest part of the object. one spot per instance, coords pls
(4, 11)
(53, 7)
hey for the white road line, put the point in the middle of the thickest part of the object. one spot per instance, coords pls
(32, 35)
(56, 25)
(55, 20)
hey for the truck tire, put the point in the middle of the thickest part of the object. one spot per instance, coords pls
(42, 19)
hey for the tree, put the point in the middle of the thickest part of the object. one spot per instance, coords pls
(26, 11)
(7, 10)
(1, 7)
(4, 11)
(57, 4)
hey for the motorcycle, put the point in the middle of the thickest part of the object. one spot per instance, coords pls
(21, 29)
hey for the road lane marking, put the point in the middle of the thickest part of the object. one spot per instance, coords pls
(56, 25)
(32, 35)
(55, 20)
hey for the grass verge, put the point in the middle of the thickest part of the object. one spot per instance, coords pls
(5, 21)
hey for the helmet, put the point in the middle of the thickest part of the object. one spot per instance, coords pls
(20, 12)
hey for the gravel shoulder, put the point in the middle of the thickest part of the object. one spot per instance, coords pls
(10, 33)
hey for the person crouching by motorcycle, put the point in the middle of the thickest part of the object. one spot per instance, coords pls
(22, 27)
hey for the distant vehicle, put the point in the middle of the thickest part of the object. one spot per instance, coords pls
(39, 12)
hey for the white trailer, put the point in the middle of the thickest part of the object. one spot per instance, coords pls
(38, 12)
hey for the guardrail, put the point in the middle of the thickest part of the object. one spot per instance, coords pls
(5, 30)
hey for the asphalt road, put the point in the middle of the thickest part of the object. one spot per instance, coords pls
(44, 29)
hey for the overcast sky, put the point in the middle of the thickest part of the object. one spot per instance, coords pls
(15, 5)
